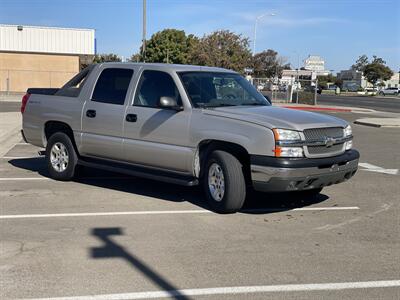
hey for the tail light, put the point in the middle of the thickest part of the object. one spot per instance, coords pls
(25, 99)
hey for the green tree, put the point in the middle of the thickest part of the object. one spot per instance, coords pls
(136, 57)
(106, 57)
(324, 80)
(224, 49)
(168, 46)
(268, 64)
(375, 72)
(360, 64)
(378, 60)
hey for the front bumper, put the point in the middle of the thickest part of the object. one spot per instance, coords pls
(271, 174)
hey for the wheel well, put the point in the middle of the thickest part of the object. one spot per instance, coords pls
(208, 146)
(52, 127)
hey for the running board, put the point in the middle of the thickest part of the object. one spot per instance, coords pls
(139, 171)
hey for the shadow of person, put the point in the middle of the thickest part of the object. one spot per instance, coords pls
(110, 249)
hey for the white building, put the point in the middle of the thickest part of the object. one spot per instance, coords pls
(394, 81)
(352, 80)
(314, 63)
(34, 56)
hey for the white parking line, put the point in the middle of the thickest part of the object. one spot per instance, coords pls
(377, 169)
(20, 157)
(162, 212)
(306, 209)
(24, 178)
(238, 290)
(46, 178)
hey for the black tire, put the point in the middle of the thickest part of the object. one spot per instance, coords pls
(234, 182)
(68, 173)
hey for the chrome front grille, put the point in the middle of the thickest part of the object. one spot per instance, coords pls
(316, 150)
(321, 134)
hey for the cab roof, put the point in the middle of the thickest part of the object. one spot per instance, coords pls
(172, 67)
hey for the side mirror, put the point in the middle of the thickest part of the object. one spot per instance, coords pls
(169, 103)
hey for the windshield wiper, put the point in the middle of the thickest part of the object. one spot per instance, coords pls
(254, 104)
(205, 105)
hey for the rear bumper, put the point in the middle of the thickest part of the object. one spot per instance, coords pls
(281, 174)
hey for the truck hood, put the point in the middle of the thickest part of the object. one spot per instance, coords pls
(276, 117)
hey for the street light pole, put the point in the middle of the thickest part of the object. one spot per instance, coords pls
(297, 79)
(255, 28)
(144, 32)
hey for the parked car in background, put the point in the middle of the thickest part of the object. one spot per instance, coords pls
(332, 88)
(310, 88)
(371, 91)
(389, 91)
(186, 125)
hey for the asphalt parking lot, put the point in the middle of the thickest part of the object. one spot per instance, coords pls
(118, 237)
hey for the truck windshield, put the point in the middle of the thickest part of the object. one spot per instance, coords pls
(213, 89)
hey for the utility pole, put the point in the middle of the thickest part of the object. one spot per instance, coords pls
(144, 32)
(298, 79)
(315, 91)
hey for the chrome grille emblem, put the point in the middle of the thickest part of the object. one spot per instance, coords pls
(329, 142)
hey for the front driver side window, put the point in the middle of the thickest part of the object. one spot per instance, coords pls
(152, 86)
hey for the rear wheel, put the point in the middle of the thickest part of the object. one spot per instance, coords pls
(61, 157)
(224, 182)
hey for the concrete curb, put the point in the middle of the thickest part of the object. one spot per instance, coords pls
(379, 122)
(318, 108)
(325, 108)
(11, 99)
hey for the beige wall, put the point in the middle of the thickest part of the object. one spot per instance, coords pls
(25, 70)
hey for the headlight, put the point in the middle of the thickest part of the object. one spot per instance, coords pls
(289, 151)
(286, 135)
(348, 131)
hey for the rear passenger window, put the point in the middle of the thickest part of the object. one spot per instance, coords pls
(112, 85)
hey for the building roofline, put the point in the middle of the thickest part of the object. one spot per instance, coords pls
(47, 27)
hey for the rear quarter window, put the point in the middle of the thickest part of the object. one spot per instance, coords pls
(73, 87)
(112, 86)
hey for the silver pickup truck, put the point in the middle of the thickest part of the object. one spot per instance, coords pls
(186, 125)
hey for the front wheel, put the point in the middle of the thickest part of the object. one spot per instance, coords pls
(61, 157)
(224, 182)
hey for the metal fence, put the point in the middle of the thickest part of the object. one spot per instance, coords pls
(302, 91)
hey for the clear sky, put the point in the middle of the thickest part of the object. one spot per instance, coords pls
(337, 30)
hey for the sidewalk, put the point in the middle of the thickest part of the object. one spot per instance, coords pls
(12, 97)
(379, 122)
(10, 125)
